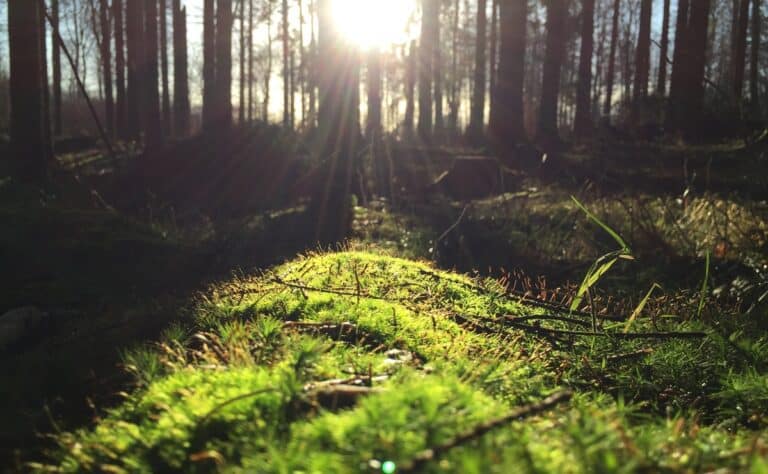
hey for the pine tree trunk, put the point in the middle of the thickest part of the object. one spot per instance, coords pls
(553, 60)
(311, 66)
(153, 132)
(754, 64)
(429, 18)
(493, 45)
(250, 60)
(106, 66)
(302, 66)
(373, 128)
(57, 123)
(438, 77)
(181, 107)
(268, 72)
(583, 120)
(610, 80)
(241, 106)
(224, 22)
(454, 95)
(410, 89)
(507, 124)
(120, 119)
(739, 53)
(476, 119)
(134, 14)
(694, 88)
(643, 53)
(680, 65)
(30, 142)
(661, 83)
(209, 65)
(286, 72)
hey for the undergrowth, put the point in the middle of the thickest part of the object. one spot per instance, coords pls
(357, 361)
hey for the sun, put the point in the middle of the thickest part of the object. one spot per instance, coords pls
(374, 24)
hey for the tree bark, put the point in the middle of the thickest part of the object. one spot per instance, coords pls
(610, 80)
(120, 119)
(250, 60)
(679, 68)
(493, 48)
(224, 63)
(410, 88)
(106, 67)
(241, 110)
(163, 15)
(30, 143)
(661, 83)
(754, 64)
(438, 77)
(209, 65)
(57, 123)
(455, 82)
(738, 60)
(429, 19)
(286, 68)
(153, 131)
(134, 15)
(553, 60)
(477, 114)
(643, 53)
(181, 107)
(583, 120)
(507, 124)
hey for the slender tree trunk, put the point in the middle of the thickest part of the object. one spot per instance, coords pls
(754, 64)
(286, 68)
(268, 72)
(699, 24)
(553, 60)
(152, 122)
(57, 123)
(209, 65)
(610, 80)
(374, 125)
(134, 15)
(738, 60)
(583, 120)
(429, 19)
(438, 77)
(302, 66)
(106, 66)
(507, 124)
(661, 83)
(454, 102)
(597, 84)
(30, 142)
(181, 107)
(643, 52)
(250, 60)
(120, 119)
(493, 43)
(163, 12)
(242, 106)
(410, 89)
(679, 68)
(224, 21)
(476, 119)
(312, 64)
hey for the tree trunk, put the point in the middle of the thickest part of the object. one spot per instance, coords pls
(738, 60)
(134, 14)
(643, 53)
(302, 66)
(438, 77)
(754, 65)
(553, 60)
(507, 124)
(693, 106)
(241, 106)
(30, 142)
(610, 80)
(583, 121)
(224, 63)
(373, 126)
(120, 119)
(337, 130)
(209, 65)
(57, 123)
(163, 14)
(493, 54)
(268, 72)
(106, 66)
(661, 83)
(312, 62)
(286, 72)
(454, 96)
(250, 60)
(410, 89)
(476, 119)
(181, 107)
(429, 19)
(679, 68)
(153, 132)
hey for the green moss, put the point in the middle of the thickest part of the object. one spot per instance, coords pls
(241, 395)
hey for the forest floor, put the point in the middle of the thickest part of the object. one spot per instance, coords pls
(178, 345)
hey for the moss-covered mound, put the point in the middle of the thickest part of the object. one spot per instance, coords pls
(359, 362)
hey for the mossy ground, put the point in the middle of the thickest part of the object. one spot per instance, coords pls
(248, 385)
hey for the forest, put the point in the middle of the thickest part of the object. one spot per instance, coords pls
(396, 236)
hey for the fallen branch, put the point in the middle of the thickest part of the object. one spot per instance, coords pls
(616, 335)
(416, 464)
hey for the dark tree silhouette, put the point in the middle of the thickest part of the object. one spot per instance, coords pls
(120, 106)
(209, 65)
(224, 22)
(738, 55)
(506, 127)
(438, 76)
(429, 20)
(661, 82)
(583, 119)
(477, 113)
(30, 142)
(153, 131)
(106, 66)
(286, 68)
(166, 97)
(611, 75)
(754, 62)
(181, 106)
(134, 14)
(678, 79)
(643, 52)
(56, 59)
(556, 13)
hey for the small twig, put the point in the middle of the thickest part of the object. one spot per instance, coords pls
(416, 464)
(616, 335)
(450, 229)
(546, 317)
(629, 355)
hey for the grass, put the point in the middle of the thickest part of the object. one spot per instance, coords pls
(354, 360)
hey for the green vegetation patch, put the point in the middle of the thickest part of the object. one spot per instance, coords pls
(361, 362)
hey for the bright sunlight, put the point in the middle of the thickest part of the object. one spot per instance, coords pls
(374, 24)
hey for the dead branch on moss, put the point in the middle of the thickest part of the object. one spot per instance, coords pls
(416, 464)
(615, 335)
